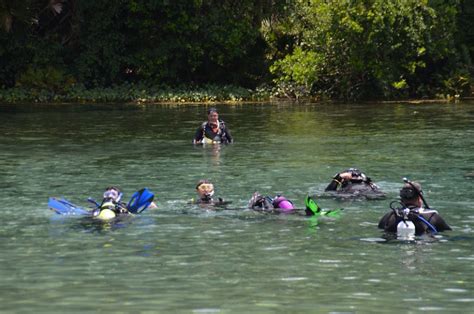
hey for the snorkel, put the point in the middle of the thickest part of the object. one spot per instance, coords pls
(419, 192)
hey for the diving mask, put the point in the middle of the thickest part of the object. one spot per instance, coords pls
(112, 194)
(205, 190)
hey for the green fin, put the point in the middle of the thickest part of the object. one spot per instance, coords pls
(332, 212)
(311, 207)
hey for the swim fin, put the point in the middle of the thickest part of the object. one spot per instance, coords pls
(311, 207)
(140, 201)
(64, 207)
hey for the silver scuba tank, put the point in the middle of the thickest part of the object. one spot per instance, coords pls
(406, 230)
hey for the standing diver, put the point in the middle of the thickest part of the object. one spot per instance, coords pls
(415, 209)
(354, 183)
(212, 131)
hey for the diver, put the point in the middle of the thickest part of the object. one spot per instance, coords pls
(413, 207)
(212, 131)
(278, 204)
(112, 200)
(205, 191)
(354, 183)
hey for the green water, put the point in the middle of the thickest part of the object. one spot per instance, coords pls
(180, 258)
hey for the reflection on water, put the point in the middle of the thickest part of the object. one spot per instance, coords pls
(182, 258)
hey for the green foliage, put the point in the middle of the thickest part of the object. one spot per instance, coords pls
(299, 68)
(47, 78)
(343, 49)
(371, 49)
(136, 93)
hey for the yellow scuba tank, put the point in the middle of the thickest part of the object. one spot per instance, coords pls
(106, 214)
(207, 140)
(107, 211)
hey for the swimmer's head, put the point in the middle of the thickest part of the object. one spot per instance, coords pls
(410, 193)
(205, 189)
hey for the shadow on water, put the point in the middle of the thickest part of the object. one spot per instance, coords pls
(91, 225)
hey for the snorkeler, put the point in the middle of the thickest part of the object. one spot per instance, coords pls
(413, 208)
(354, 183)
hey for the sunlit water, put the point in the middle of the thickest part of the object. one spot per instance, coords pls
(180, 258)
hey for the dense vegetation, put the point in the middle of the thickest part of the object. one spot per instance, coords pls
(201, 50)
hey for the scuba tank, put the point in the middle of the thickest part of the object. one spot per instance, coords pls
(108, 208)
(106, 211)
(406, 227)
(406, 230)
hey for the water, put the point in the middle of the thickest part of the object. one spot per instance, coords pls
(180, 258)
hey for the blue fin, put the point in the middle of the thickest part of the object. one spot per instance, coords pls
(64, 207)
(140, 201)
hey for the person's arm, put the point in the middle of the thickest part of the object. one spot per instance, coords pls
(388, 222)
(227, 134)
(439, 223)
(199, 135)
(337, 181)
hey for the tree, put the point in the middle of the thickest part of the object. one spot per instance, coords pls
(369, 49)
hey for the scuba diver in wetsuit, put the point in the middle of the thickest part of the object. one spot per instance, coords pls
(205, 191)
(414, 208)
(112, 200)
(279, 203)
(352, 182)
(212, 131)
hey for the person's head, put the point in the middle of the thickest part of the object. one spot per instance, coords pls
(283, 203)
(112, 193)
(356, 174)
(410, 194)
(212, 115)
(205, 189)
(258, 201)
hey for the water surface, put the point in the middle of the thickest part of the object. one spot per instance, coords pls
(180, 258)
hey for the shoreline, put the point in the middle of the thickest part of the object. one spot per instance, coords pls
(136, 95)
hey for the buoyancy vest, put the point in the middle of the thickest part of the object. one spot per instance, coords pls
(210, 137)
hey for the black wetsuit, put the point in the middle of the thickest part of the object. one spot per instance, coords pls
(211, 201)
(358, 185)
(118, 208)
(261, 203)
(390, 221)
(221, 136)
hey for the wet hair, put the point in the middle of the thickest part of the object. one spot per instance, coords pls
(410, 192)
(203, 181)
(113, 188)
(210, 110)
